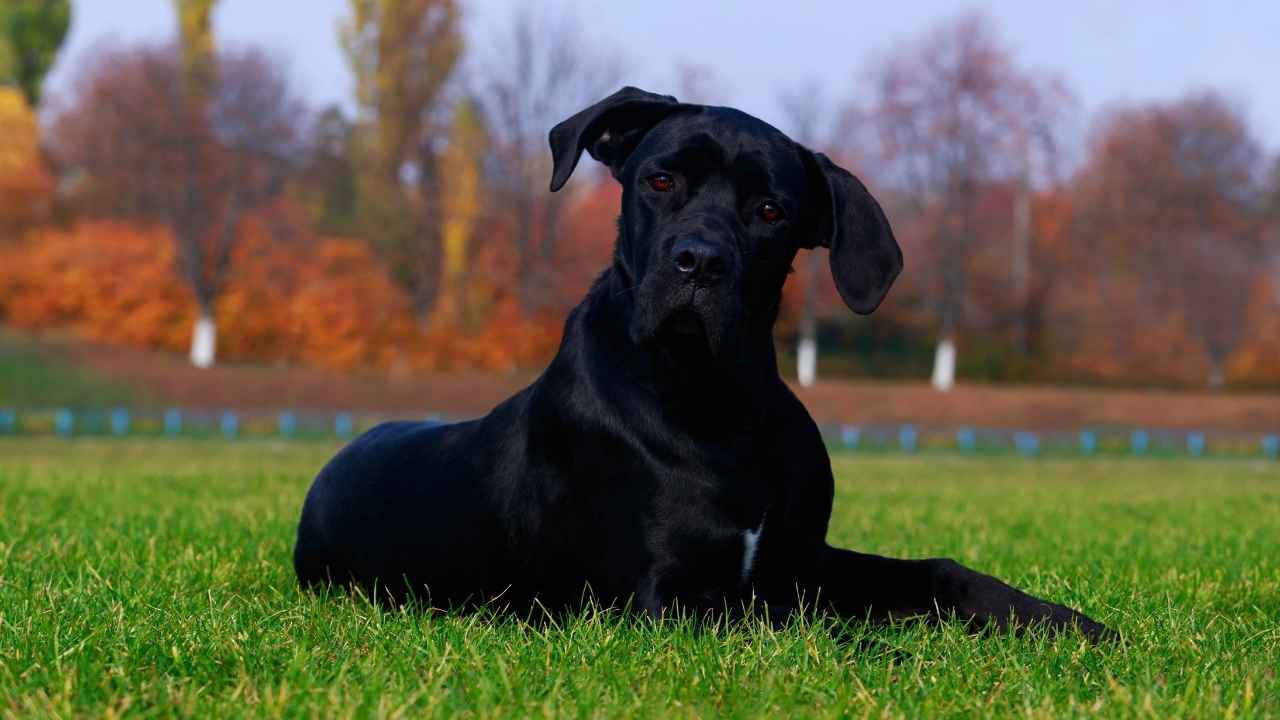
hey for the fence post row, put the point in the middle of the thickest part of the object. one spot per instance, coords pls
(849, 436)
(1027, 443)
(172, 421)
(287, 423)
(64, 422)
(908, 438)
(230, 424)
(1088, 442)
(121, 423)
(1138, 442)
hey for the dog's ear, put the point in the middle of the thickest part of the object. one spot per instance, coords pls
(609, 130)
(865, 258)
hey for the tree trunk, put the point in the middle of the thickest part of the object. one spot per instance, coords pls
(807, 349)
(1217, 374)
(1021, 265)
(204, 338)
(944, 364)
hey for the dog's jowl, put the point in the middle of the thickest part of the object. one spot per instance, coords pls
(659, 461)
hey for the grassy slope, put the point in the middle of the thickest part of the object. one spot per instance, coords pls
(31, 378)
(153, 577)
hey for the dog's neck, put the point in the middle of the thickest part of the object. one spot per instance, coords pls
(733, 380)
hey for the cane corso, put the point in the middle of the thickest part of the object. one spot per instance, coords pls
(659, 462)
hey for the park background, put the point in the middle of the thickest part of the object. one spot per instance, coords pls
(343, 205)
(235, 233)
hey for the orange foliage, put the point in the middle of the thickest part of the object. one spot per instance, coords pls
(325, 302)
(25, 184)
(1258, 360)
(110, 281)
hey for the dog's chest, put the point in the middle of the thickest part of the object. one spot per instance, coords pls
(750, 545)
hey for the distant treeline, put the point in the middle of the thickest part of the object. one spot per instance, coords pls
(185, 185)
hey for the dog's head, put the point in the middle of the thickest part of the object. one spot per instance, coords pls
(716, 204)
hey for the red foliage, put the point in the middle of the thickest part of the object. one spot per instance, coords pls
(325, 302)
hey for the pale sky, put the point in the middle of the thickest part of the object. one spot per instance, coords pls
(1107, 51)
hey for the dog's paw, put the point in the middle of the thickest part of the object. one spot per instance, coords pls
(982, 600)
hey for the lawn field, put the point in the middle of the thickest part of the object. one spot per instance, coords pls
(152, 578)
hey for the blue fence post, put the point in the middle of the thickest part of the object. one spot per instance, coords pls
(8, 422)
(64, 422)
(849, 436)
(1138, 442)
(172, 421)
(1271, 446)
(343, 425)
(1027, 443)
(120, 421)
(1195, 443)
(287, 423)
(907, 438)
(966, 440)
(1088, 442)
(230, 424)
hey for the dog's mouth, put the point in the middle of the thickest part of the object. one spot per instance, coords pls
(684, 322)
(683, 339)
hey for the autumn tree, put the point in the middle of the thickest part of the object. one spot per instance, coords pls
(326, 184)
(140, 148)
(463, 210)
(25, 184)
(541, 70)
(402, 54)
(952, 115)
(31, 31)
(803, 109)
(1171, 203)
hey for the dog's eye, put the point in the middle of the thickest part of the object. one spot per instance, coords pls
(661, 182)
(770, 212)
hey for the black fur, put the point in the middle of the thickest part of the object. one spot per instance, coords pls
(662, 430)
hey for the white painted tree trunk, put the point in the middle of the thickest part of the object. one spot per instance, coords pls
(807, 361)
(204, 340)
(944, 365)
(807, 348)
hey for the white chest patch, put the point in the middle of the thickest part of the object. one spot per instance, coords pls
(750, 540)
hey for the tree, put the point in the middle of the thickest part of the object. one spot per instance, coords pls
(146, 151)
(953, 116)
(25, 185)
(326, 185)
(1171, 201)
(462, 207)
(542, 71)
(803, 109)
(403, 53)
(31, 31)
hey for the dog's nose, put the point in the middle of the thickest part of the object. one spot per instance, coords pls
(698, 258)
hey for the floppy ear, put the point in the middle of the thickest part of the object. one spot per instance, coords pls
(609, 130)
(865, 258)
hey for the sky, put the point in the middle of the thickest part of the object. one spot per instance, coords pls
(1107, 52)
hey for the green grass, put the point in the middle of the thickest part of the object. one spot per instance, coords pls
(152, 578)
(31, 378)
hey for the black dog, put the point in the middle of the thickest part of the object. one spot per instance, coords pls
(660, 459)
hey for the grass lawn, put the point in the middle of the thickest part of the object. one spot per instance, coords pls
(153, 578)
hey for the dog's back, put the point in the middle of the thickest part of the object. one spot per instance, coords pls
(397, 502)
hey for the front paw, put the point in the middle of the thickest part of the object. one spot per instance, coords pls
(982, 600)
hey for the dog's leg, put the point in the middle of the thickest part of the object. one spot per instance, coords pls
(860, 585)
